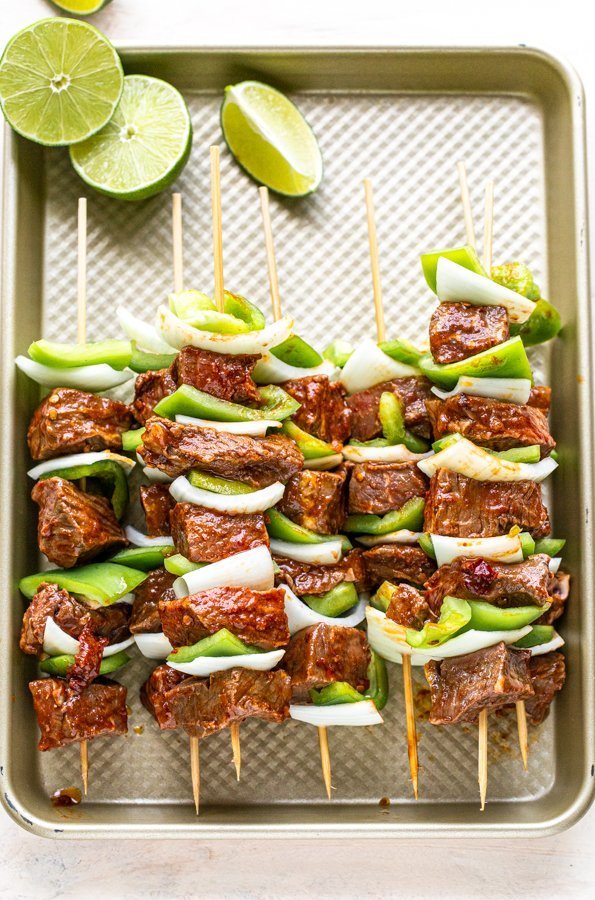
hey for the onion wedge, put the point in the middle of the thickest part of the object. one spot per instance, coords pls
(468, 459)
(79, 459)
(324, 463)
(504, 549)
(156, 475)
(57, 642)
(100, 377)
(207, 665)
(145, 334)
(403, 536)
(234, 504)
(393, 453)
(326, 553)
(179, 334)
(369, 365)
(257, 428)
(154, 645)
(299, 615)
(554, 564)
(355, 714)
(271, 370)
(556, 642)
(139, 539)
(251, 568)
(455, 283)
(510, 390)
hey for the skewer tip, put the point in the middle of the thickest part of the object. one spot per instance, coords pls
(195, 772)
(325, 759)
(84, 750)
(236, 748)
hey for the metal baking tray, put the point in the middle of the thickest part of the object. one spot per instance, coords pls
(403, 117)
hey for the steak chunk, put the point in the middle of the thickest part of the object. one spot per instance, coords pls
(149, 388)
(380, 487)
(155, 589)
(458, 506)
(71, 421)
(65, 716)
(156, 690)
(204, 535)
(315, 500)
(459, 330)
(223, 375)
(408, 607)
(255, 617)
(463, 686)
(175, 449)
(548, 674)
(303, 578)
(87, 662)
(323, 411)
(321, 654)
(491, 423)
(157, 503)
(74, 526)
(559, 588)
(540, 398)
(505, 585)
(71, 615)
(412, 391)
(397, 562)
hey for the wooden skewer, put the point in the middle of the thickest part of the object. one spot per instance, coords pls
(482, 757)
(195, 771)
(236, 747)
(217, 227)
(380, 335)
(325, 756)
(466, 204)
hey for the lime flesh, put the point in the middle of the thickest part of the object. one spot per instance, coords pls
(143, 148)
(270, 138)
(81, 7)
(60, 81)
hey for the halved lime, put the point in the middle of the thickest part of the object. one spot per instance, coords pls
(270, 138)
(81, 7)
(143, 148)
(60, 81)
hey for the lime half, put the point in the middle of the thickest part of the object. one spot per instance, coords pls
(81, 7)
(270, 138)
(143, 148)
(60, 81)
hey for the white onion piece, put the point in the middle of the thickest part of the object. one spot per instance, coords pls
(153, 646)
(270, 370)
(456, 283)
(234, 504)
(360, 713)
(556, 642)
(403, 536)
(207, 665)
(505, 549)
(369, 365)
(251, 568)
(510, 390)
(179, 334)
(466, 458)
(327, 553)
(258, 428)
(388, 639)
(100, 377)
(125, 598)
(153, 474)
(79, 459)
(323, 463)
(145, 334)
(394, 453)
(57, 642)
(554, 564)
(139, 539)
(299, 615)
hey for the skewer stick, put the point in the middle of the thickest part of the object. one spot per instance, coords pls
(217, 228)
(380, 335)
(325, 758)
(482, 757)
(236, 747)
(466, 204)
(195, 771)
(81, 335)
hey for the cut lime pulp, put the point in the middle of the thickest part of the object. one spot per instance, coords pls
(81, 7)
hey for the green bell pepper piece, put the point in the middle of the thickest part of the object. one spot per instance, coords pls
(334, 602)
(378, 678)
(296, 352)
(116, 354)
(235, 305)
(446, 441)
(425, 542)
(516, 277)
(551, 546)
(392, 420)
(103, 582)
(132, 439)
(200, 312)
(527, 544)
(176, 564)
(108, 472)
(507, 360)
(338, 352)
(222, 643)
(143, 558)
(454, 615)
(381, 599)
(539, 634)
(402, 351)
(410, 516)
(543, 324)
(144, 361)
(309, 446)
(487, 617)
(59, 665)
(336, 693)
(282, 528)
(188, 401)
(463, 256)
(531, 454)
(217, 485)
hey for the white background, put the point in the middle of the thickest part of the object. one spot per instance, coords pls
(563, 866)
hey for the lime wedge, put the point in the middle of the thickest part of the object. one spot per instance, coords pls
(145, 145)
(60, 81)
(81, 7)
(270, 138)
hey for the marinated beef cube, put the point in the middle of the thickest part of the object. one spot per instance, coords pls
(255, 617)
(157, 688)
(378, 488)
(223, 375)
(548, 674)
(397, 562)
(71, 421)
(157, 503)
(204, 535)
(87, 662)
(316, 500)
(458, 506)
(65, 716)
(459, 330)
(303, 578)
(155, 589)
(175, 449)
(149, 388)
(71, 615)
(505, 585)
(412, 390)
(321, 654)
(559, 588)
(408, 607)
(540, 398)
(324, 412)
(491, 423)
(74, 526)
(462, 686)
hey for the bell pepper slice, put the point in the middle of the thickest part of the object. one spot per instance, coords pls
(516, 277)
(338, 352)
(144, 361)
(378, 678)
(176, 564)
(116, 354)
(188, 401)
(410, 517)
(507, 360)
(539, 634)
(335, 693)
(296, 352)
(103, 582)
(235, 305)
(198, 310)
(425, 542)
(531, 454)
(59, 665)
(550, 546)
(222, 643)
(403, 351)
(108, 472)
(463, 256)
(282, 528)
(392, 420)
(310, 447)
(217, 485)
(487, 617)
(454, 615)
(334, 602)
(381, 599)
(143, 558)
(543, 324)
(132, 439)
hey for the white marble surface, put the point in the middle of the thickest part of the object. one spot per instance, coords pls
(563, 866)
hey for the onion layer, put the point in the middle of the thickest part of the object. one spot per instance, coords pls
(326, 553)
(466, 458)
(145, 335)
(251, 568)
(324, 463)
(179, 334)
(234, 504)
(556, 642)
(455, 283)
(257, 428)
(138, 539)
(271, 370)
(154, 645)
(100, 377)
(510, 390)
(505, 549)
(299, 615)
(393, 453)
(354, 714)
(403, 536)
(79, 459)
(369, 365)
(56, 642)
(207, 665)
